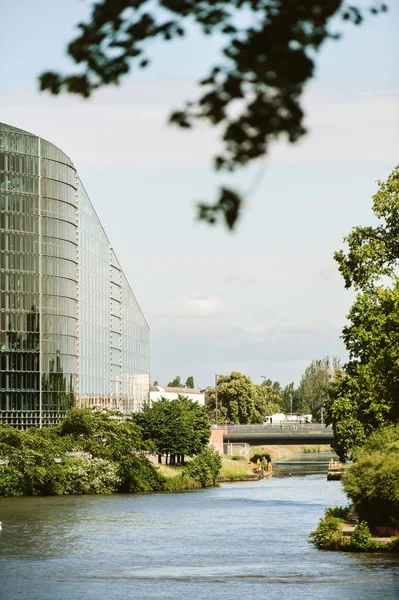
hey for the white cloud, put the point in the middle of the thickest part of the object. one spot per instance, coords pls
(127, 126)
(204, 306)
(119, 127)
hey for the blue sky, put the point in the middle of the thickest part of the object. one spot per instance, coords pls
(267, 299)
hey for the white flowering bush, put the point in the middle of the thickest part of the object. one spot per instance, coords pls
(88, 475)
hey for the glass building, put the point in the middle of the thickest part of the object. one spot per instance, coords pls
(72, 332)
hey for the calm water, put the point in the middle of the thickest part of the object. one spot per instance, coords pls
(244, 541)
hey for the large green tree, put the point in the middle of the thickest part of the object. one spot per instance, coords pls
(315, 385)
(239, 400)
(176, 428)
(271, 392)
(291, 399)
(366, 395)
(253, 95)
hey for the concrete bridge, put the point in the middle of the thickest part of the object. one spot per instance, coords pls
(272, 434)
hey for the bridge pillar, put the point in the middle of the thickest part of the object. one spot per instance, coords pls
(217, 438)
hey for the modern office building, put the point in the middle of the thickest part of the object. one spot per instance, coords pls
(72, 332)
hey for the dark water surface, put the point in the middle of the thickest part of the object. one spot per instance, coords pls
(239, 541)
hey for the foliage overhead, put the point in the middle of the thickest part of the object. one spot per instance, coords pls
(253, 94)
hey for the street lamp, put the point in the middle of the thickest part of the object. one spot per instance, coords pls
(216, 400)
(264, 377)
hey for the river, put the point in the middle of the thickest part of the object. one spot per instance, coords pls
(244, 541)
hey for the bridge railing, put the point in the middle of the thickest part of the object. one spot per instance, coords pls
(283, 427)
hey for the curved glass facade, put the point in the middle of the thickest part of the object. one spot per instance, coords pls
(72, 332)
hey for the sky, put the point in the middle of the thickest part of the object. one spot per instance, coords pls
(267, 299)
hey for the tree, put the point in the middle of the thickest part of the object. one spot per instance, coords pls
(365, 396)
(176, 428)
(176, 382)
(190, 382)
(103, 433)
(239, 400)
(291, 399)
(155, 382)
(271, 393)
(269, 55)
(372, 259)
(316, 383)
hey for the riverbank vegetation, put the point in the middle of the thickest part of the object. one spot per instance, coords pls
(372, 486)
(98, 452)
(363, 405)
(331, 534)
(365, 395)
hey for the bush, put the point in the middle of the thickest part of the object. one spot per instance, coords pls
(265, 457)
(360, 539)
(138, 474)
(206, 467)
(87, 475)
(11, 481)
(372, 484)
(328, 535)
(340, 512)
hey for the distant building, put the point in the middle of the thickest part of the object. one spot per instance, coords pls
(171, 393)
(282, 418)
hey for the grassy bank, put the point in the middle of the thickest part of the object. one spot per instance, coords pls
(232, 470)
(177, 480)
(235, 470)
(283, 452)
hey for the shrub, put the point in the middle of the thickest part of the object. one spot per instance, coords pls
(360, 539)
(206, 467)
(88, 475)
(138, 474)
(328, 534)
(11, 481)
(265, 457)
(340, 512)
(372, 484)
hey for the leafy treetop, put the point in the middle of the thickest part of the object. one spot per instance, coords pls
(190, 382)
(176, 382)
(179, 426)
(373, 252)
